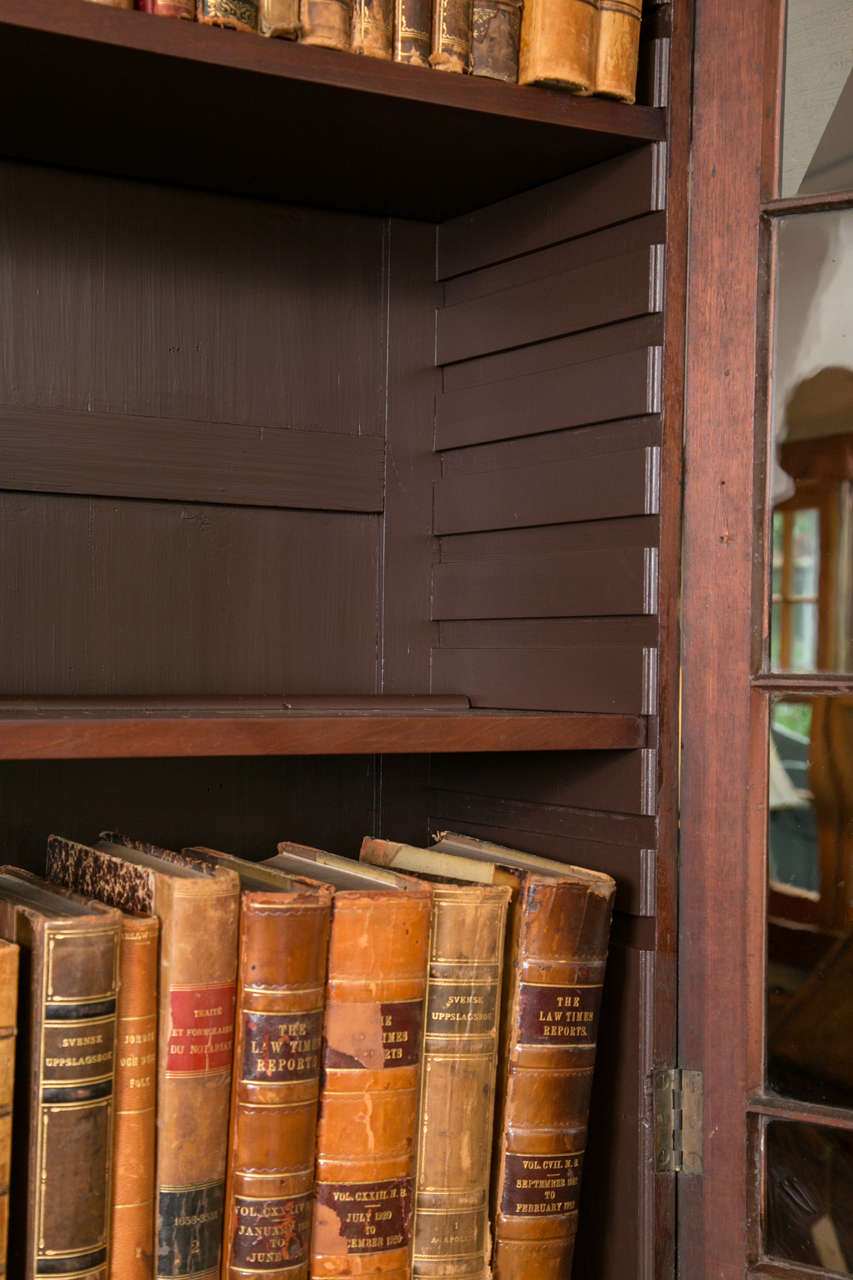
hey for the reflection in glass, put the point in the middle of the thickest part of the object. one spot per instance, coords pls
(810, 906)
(817, 124)
(812, 412)
(809, 1195)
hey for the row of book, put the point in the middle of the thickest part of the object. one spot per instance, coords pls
(296, 1067)
(584, 46)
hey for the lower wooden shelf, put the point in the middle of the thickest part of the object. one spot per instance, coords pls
(62, 729)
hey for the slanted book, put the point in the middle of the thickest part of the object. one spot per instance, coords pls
(8, 1025)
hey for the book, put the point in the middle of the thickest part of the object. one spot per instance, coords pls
(240, 15)
(8, 1030)
(451, 35)
(62, 1123)
(169, 8)
(373, 28)
(281, 982)
(327, 23)
(496, 38)
(618, 49)
(554, 971)
(372, 1044)
(115, 4)
(559, 39)
(412, 31)
(198, 908)
(458, 1078)
(279, 18)
(132, 1204)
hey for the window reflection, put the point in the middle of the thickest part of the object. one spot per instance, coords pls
(817, 126)
(809, 1195)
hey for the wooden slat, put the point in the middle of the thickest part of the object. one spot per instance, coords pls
(555, 820)
(547, 633)
(611, 192)
(98, 737)
(555, 446)
(583, 297)
(620, 484)
(119, 455)
(614, 678)
(620, 581)
(551, 539)
(617, 386)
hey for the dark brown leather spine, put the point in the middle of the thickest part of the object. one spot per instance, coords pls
(8, 1021)
(555, 978)
(369, 1099)
(240, 15)
(618, 49)
(62, 1144)
(279, 18)
(412, 31)
(280, 998)
(495, 43)
(373, 28)
(559, 39)
(327, 23)
(132, 1252)
(451, 35)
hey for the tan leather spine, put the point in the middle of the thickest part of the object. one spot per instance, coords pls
(279, 18)
(451, 35)
(8, 1022)
(412, 31)
(172, 9)
(239, 15)
(618, 49)
(132, 1252)
(373, 1035)
(62, 1142)
(327, 23)
(115, 4)
(496, 39)
(278, 1041)
(554, 994)
(558, 44)
(373, 28)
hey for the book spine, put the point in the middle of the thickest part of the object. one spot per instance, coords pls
(198, 962)
(373, 1038)
(558, 44)
(279, 18)
(8, 1022)
(327, 23)
(458, 1083)
(451, 35)
(554, 998)
(373, 28)
(496, 37)
(132, 1252)
(169, 8)
(281, 993)
(618, 49)
(240, 15)
(412, 31)
(115, 4)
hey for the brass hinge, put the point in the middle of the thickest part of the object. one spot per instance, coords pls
(678, 1121)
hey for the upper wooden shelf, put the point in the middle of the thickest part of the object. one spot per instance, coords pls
(61, 729)
(118, 92)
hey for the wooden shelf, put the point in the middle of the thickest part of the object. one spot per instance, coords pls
(91, 87)
(61, 729)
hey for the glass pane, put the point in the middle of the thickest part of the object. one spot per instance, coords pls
(817, 123)
(812, 419)
(809, 937)
(809, 1195)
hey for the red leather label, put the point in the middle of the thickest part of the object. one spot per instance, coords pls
(363, 1217)
(280, 1047)
(201, 1035)
(557, 1016)
(541, 1186)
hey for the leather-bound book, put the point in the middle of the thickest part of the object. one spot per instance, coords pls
(618, 49)
(462, 1020)
(198, 908)
(62, 1124)
(372, 1044)
(373, 28)
(496, 38)
(8, 1027)
(115, 4)
(132, 1207)
(451, 35)
(169, 8)
(327, 23)
(412, 31)
(559, 39)
(279, 18)
(240, 15)
(281, 982)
